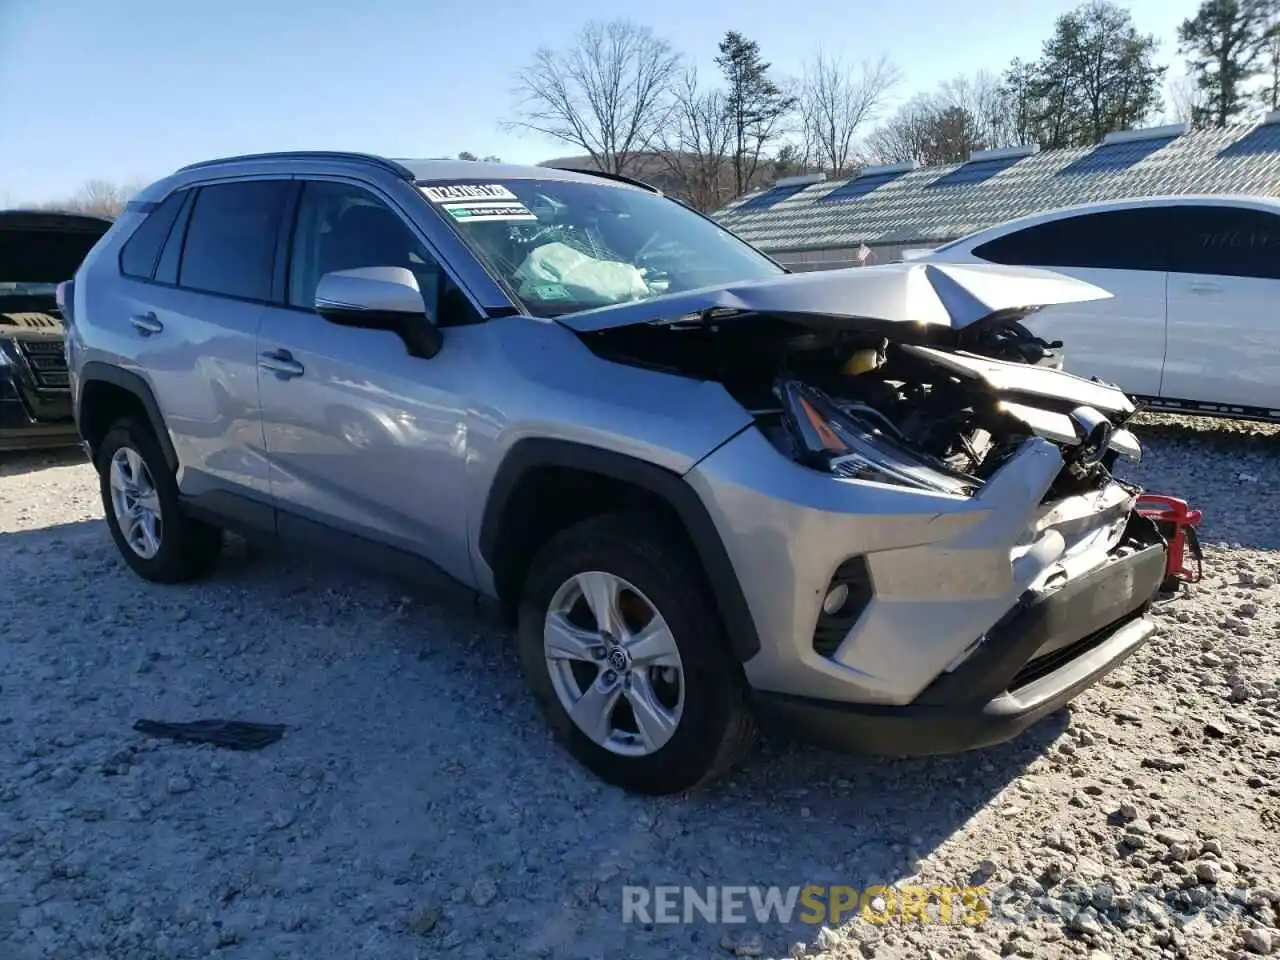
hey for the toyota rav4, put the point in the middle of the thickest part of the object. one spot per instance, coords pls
(705, 491)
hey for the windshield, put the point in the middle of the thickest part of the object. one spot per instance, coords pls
(565, 246)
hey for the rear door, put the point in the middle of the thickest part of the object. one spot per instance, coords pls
(192, 325)
(1224, 307)
(1122, 339)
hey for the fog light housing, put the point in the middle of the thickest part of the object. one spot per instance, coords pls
(847, 596)
(836, 598)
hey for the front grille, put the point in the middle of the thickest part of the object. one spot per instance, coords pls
(48, 361)
(1043, 666)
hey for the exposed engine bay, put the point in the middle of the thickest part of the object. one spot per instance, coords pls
(852, 402)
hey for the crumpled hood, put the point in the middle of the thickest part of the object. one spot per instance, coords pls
(45, 247)
(923, 295)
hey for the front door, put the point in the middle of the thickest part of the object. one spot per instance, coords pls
(362, 437)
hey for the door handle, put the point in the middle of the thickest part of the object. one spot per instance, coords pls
(281, 363)
(1204, 288)
(146, 324)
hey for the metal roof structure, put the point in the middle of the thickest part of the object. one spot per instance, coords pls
(902, 205)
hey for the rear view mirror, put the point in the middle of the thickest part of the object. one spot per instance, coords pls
(380, 298)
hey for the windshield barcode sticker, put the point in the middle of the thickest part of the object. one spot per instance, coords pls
(468, 191)
(488, 210)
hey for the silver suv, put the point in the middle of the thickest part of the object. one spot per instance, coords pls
(704, 490)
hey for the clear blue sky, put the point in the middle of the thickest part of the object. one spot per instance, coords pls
(130, 89)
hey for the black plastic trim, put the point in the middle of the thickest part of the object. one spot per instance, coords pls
(1082, 608)
(249, 517)
(96, 370)
(527, 455)
(616, 177)
(259, 521)
(914, 731)
(999, 692)
(831, 629)
(297, 529)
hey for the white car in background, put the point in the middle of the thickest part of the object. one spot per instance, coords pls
(1194, 321)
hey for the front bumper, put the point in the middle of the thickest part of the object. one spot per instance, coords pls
(20, 431)
(1054, 644)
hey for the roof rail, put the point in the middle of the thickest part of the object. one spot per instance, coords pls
(399, 169)
(619, 177)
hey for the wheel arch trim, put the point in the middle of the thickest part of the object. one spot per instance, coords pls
(100, 372)
(530, 454)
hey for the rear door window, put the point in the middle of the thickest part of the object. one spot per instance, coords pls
(1225, 242)
(140, 252)
(1109, 240)
(230, 244)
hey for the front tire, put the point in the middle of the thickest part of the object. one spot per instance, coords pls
(140, 500)
(621, 645)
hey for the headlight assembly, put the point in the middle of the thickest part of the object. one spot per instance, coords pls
(845, 445)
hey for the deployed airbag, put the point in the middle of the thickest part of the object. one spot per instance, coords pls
(578, 277)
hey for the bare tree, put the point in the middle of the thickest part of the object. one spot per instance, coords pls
(100, 197)
(945, 126)
(926, 131)
(983, 97)
(695, 146)
(608, 94)
(836, 101)
(1187, 101)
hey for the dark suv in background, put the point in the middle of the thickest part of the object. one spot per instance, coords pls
(38, 250)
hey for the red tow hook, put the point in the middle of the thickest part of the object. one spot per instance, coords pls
(1177, 522)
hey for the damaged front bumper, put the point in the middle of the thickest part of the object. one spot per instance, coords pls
(978, 614)
(1054, 644)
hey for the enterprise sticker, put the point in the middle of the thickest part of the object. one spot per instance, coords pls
(468, 191)
(480, 210)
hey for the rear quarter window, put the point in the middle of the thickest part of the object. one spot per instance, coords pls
(140, 252)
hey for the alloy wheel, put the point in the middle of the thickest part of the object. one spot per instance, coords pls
(614, 664)
(135, 503)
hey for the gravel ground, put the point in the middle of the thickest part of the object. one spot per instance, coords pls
(416, 807)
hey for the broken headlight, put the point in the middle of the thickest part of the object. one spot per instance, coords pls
(851, 447)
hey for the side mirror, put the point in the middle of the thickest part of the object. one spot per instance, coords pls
(380, 298)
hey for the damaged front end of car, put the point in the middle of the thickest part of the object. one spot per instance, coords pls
(958, 546)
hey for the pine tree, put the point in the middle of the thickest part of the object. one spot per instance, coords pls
(1096, 74)
(1225, 42)
(756, 105)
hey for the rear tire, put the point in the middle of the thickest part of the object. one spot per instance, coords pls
(679, 715)
(140, 500)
